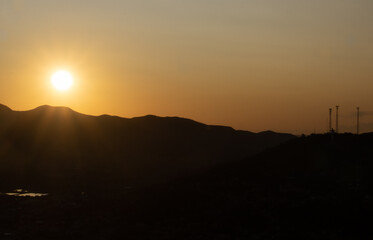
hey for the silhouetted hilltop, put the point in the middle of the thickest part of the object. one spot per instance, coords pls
(4, 108)
(58, 146)
(315, 187)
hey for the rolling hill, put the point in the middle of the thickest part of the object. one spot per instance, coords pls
(314, 187)
(56, 147)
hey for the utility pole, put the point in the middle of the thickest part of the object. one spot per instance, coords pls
(330, 119)
(357, 120)
(336, 118)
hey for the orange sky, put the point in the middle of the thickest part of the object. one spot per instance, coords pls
(253, 65)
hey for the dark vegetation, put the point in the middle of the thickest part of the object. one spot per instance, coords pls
(314, 187)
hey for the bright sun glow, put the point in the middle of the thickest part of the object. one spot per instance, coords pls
(62, 80)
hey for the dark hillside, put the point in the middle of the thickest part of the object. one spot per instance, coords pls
(316, 187)
(55, 147)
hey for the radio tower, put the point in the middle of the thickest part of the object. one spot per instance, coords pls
(336, 118)
(357, 120)
(330, 119)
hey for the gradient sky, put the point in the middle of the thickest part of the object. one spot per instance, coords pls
(250, 64)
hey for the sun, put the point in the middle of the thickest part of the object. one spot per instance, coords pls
(62, 80)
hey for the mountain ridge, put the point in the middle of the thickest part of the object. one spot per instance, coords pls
(148, 116)
(62, 147)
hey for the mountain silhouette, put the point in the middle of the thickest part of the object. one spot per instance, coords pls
(56, 147)
(314, 187)
(319, 185)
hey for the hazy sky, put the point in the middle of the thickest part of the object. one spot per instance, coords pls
(250, 64)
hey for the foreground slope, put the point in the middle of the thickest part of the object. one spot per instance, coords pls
(57, 147)
(316, 187)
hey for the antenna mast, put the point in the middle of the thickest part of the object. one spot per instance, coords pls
(336, 119)
(330, 119)
(358, 119)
